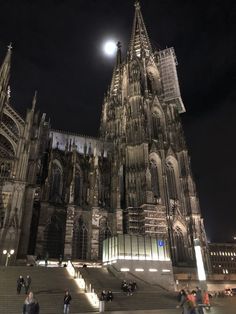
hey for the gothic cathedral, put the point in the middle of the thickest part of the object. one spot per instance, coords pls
(63, 193)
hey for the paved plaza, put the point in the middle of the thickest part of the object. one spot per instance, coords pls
(223, 306)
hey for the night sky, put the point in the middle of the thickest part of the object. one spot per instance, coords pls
(57, 50)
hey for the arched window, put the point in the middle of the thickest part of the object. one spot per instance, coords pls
(156, 124)
(2, 216)
(104, 233)
(181, 255)
(171, 180)
(56, 183)
(156, 176)
(155, 180)
(77, 187)
(5, 169)
(80, 240)
(54, 236)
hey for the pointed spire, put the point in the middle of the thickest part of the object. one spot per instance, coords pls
(139, 39)
(34, 100)
(118, 55)
(116, 77)
(5, 70)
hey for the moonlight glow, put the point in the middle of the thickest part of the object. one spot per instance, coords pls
(109, 48)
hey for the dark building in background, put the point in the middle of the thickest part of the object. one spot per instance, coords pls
(223, 258)
(64, 193)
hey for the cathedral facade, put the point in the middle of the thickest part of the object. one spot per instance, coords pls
(62, 193)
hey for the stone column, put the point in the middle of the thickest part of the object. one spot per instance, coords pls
(95, 233)
(69, 231)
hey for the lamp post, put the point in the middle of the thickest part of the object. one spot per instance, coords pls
(200, 264)
(8, 255)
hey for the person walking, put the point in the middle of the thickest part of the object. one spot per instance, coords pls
(103, 296)
(67, 299)
(183, 302)
(192, 302)
(27, 284)
(206, 300)
(20, 283)
(199, 300)
(31, 305)
(110, 296)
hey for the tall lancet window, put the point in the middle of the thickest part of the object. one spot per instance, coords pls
(54, 236)
(77, 187)
(56, 183)
(155, 180)
(104, 233)
(181, 254)
(171, 180)
(156, 124)
(80, 240)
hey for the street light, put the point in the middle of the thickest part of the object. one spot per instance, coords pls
(8, 255)
(199, 259)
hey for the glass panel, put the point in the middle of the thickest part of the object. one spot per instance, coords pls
(115, 247)
(112, 240)
(141, 247)
(121, 246)
(154, 249)
(109, 249)
(127, 246)
(105, 251)
(161, 244)
(148, 248)
(134, 240)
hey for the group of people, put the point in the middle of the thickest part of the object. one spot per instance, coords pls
(128, 287)
(106, 296)
(193, 302)
(23, 283)
(31, 305)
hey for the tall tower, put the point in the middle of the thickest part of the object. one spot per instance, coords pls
(153, 186)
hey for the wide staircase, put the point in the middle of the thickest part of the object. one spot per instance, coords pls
(48, 285)
(146, 297)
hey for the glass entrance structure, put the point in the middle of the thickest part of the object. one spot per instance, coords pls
(134, 247)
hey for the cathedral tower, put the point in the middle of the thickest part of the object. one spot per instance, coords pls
(153, 182)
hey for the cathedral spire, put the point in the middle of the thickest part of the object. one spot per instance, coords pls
(139, 39)
(34, 100)
(5, 70)
(118, 55)
(116, 77)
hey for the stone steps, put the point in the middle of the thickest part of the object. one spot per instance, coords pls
(147, 297)
(48, 285)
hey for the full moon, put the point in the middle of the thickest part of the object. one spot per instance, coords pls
(109, 48)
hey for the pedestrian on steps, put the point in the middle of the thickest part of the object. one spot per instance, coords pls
(31, 305)
(27, 284)
(67, 299)
(110, 296)
(20, 283)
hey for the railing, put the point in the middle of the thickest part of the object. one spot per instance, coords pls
(83, 284)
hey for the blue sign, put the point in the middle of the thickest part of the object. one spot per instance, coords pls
(161, 243)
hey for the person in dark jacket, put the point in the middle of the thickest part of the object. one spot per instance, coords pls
(110, 296)
(67, 299)
(20, 283)
(183, 302)
(103, 296)
(199, 300)
(27, 284)
(31, 305)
